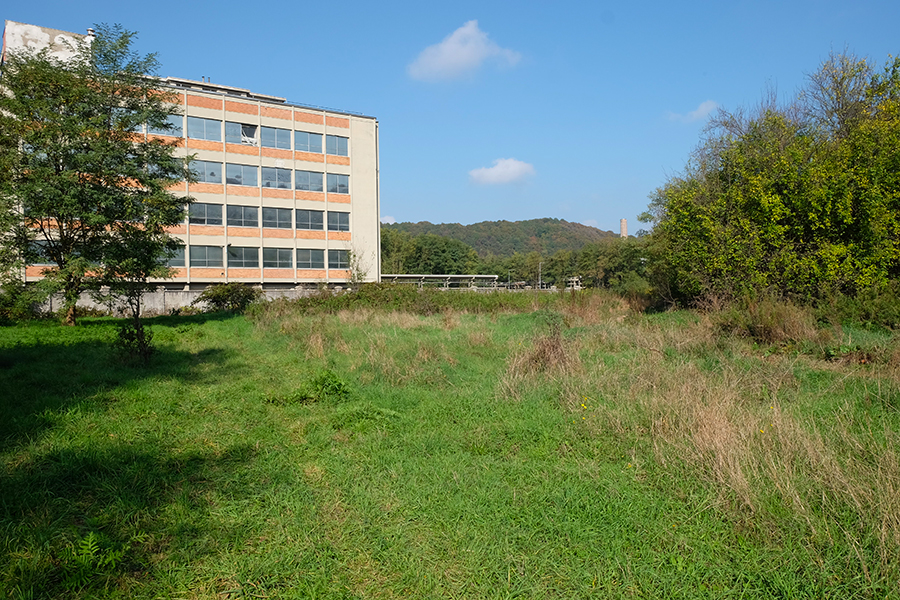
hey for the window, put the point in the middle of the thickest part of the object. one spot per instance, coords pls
(273, 177)
(336, 145)
(205, 214)
(204, 129)
(41, 251)
(278, 258)
(177, 123)
(240, 175)
(338, 184)
(239, 133)
(309, 219)
(206, 256)
(243, 216)
(308, 142)
(279, 218)
(310, 259)
(270, 137)
(338, 221)
(308, 180)
(246, 258)
(178, 259)
(338, 259)
(207, 172)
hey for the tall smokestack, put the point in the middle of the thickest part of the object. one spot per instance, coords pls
(623, 228)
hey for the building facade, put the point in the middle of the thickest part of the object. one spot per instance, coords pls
(286, 195)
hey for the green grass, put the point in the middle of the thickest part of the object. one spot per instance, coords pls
(336, 450)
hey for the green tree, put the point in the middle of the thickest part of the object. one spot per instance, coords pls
(802, 199)
(93, 193)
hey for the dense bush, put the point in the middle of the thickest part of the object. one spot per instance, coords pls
(234, 297)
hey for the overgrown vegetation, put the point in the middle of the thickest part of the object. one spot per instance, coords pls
(234, 297)
(396, 442)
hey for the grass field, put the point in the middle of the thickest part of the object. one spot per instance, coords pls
(484, 447)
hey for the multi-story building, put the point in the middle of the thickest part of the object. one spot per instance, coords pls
(286, 195)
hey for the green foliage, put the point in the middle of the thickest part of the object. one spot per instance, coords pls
(802, 199)
(134, 342)
(504, 238)
(88, 560)
(234, 297)
(426, 254)
(94, 194)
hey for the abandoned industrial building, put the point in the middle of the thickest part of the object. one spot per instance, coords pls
(285, 193)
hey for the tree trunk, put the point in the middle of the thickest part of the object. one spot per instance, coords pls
(70, 315)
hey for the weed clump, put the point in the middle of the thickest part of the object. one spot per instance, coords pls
(325, 387)
(768, 321)
(233, 297)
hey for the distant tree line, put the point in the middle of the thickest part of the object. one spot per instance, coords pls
(799, 199)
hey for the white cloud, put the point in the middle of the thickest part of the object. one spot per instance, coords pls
(461, 53)
(702, 112)
(388, 220)
(505, 170)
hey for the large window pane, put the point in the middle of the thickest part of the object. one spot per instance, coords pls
(243, 216)
(277, 218)
(310, 259)
(240, 174)
(336, 145)
(338, 221)
(243, 258)
(207, 172)
(278, 258)
(273, 177)
(308, 142)
(204, 129)
(309, 181)
(309, 219)
(206, 256)
(240, 133)
(338, 259)
(338, 184)
(176, 122)
(205, 214)
(271, 137)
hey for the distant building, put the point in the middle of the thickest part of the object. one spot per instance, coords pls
(286, 192)
(623, 228)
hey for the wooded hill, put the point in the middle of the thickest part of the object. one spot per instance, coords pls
(505, 238)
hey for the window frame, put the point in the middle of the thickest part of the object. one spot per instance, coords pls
(243, 220)
(245, 169)
(204, 177)
(208, 129)
(303, 222)
(243, 262)
(279, 173)
(280, 221)
(338, 183)
(308, 262)
(341, 259)
(195, 219)
(337, 145)
(280, 143)
(195, 260)
(340, 222)
(278, 263)
(307, 176)
(305, 146)
(243, 137)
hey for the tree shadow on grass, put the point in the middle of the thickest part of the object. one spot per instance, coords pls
(141, 508)
(50, 370)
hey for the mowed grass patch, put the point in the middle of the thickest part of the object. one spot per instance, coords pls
(565, 448)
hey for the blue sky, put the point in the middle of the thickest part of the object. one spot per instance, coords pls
(505, 110)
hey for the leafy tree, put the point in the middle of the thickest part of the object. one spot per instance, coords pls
(802, 199)
(93, 193)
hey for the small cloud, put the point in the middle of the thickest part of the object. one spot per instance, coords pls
(505, 170)
(702, 112)
(590, 222)
(388, 220)
(461, 53)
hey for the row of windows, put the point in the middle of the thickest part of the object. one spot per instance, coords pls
(280, 218)
(199, 128)
(272, 177)
(272, 258)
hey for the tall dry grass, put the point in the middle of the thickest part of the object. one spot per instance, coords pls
(734, 421)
